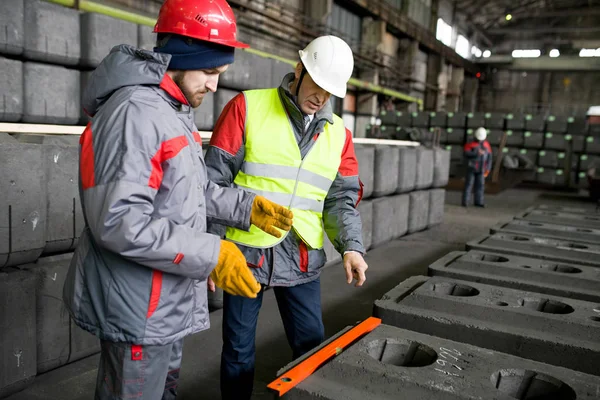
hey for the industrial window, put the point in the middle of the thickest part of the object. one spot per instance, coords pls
(444, 32)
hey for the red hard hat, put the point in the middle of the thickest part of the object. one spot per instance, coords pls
(210, 20)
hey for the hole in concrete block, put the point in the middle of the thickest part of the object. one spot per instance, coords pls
(535, 224)
(584, 230)
(501, 303)
(565, 269)
(577, 246)
(530, 385)
(401, 353)
(520, 238)
(452, 289)
(546, 306)
(525, 266)
(549, 213)
(592, 218)
(596, 319)
(492, 258)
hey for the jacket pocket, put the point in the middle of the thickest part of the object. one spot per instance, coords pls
(157, 277)
(255, 258)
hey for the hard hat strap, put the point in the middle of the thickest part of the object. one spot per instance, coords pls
(300, 79)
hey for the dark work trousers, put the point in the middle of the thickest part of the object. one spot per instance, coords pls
(138, 372)
(300, 310)
(474, 179)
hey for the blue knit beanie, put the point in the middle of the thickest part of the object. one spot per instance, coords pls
(192, 54)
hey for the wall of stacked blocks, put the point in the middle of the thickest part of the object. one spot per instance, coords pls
(514, 316)
(557, 145)
(44, 69)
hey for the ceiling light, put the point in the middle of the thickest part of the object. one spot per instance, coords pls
(508, 17)
(554, 53)
(487, 53)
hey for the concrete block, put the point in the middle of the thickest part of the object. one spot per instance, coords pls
(83, 343)
(592, 145)
(23, 202)
(146, 38)
(515, 122)
(555, 141)
(17, 330)
(523, 273)
(437, 201)
(11, 87)
(548, 176)
(407, 169)
(222, 97)
(100, 33)
(548, 159)
(560, 218)
(388, 118)
(533, 140)
(418, 213)
(457, 169)
(456, 152)
(556, 124)
(549, 230)
(204, 115)
(475, 120)
(12, 26)
(52, 33)
(261, 73)
(390, 218)
(394, 363)
(365, 156)
(403, 118)
(64, 217)
(494, 121)
(568, 251)
(534, 122)
(578, 142)
(438, 118)
(549, 329)
(441, 167)
(495, 136)
(399, 215)
(52, 318)
(514, 138)
(279, 70)
(565, 209)
(239, 75)
(424, 176)
(51, 94)
(365, 208)
(420, 119)
(577, 126)
(585, 161)
(457, 120)
(385, 181)
(455, 135)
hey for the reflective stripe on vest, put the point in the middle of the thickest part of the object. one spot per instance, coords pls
(273, 168)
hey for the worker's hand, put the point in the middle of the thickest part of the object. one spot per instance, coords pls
(481, 152)
(267, 216)
(486, 173)
(211, 285)
(232, 273)
(355, 267)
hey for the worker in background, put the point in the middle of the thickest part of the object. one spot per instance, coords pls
(286, 144)
(478, 157)
(138, 278)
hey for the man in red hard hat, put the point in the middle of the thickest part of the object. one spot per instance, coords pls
(138, 278)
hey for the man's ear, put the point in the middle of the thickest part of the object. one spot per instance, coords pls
(298, 70)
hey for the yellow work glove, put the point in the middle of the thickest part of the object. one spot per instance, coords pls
(267, 216)
(232, 273)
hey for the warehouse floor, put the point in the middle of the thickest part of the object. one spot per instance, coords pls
(342, 304)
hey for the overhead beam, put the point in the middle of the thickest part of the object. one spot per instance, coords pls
(510, 30)
(567, 12)
(562, 63)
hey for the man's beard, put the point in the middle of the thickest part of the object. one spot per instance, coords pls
(191, 97)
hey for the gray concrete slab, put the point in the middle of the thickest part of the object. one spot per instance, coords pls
(386, 170)
(418, 213)
(556, 124)
(523, 273)
(239, 75)
(23, 202)
(393, 363)
(556, 141)
(475, 120)
(420, 119)
(52, 318)
(100, 33)
(561, 218)
(592, 145)
(550, 329)
(535, 122)
(11, 87)
(64, 215)
(495, 136)
(399, 215)
(437, 198)
(591, 209)
(51, 94)
(365, 208)
(84, 77)
(438, 118)
(12, 26)
(455, 135)
(390, 218)
(52, 33)
(407, 169)
(456, 152)
(424, 177)
(17, 330)
(204, 115)
(146, 38)
(548, 159)
(534, 140)
(514, 138)
(553, 231)
(540, 247)
(365, 156)
(441, 167)
(279, 69)
(457, 119)
(515, 121)
(221, 98)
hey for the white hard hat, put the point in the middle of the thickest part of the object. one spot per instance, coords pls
(593, 110)
(329, 62)
(480, 134)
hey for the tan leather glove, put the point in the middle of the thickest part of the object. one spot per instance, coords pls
(232, 273)
(267, 216)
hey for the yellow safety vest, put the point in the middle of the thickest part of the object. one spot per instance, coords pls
(274, 168)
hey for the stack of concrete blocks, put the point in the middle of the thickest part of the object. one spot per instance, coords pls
(516, 316)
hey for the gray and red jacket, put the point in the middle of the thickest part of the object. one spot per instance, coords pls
(139, 272)
(290, 262)
(478, 163)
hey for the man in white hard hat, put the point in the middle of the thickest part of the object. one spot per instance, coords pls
(286, 144)
(478, 155)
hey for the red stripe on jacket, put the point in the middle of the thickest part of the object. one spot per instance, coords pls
(168, 150)
(168, 85)
(86, 158)
(155, 292)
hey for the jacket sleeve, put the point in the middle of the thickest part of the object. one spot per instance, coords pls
(471, 150)
(118, 198)
(225, 152)
(340, 216)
